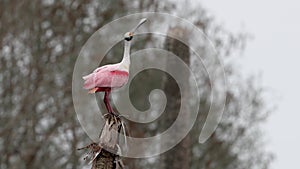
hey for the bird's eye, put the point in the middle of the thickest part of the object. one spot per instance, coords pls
(128, 38)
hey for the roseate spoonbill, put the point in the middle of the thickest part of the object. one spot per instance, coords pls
(108, 77)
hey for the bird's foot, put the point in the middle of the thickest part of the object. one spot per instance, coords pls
(112, 114)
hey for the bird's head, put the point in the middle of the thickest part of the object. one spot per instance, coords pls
(129, 35)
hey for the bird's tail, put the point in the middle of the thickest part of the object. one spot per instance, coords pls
(88, 81)
(86, 77)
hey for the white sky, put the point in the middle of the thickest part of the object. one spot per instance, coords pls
(275, 25)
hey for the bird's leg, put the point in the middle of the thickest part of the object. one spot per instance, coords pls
(106, 101)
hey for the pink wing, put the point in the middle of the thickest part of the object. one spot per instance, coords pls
(106, 76)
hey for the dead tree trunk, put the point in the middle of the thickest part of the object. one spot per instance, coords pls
(104, 153)
(108, 143)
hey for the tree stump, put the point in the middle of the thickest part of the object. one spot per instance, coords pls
(108, 143)
(104, 154)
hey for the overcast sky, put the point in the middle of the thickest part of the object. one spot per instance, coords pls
(274, 52)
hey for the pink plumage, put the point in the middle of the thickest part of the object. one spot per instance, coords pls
(106, 76)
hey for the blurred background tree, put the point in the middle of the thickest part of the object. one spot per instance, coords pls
(40, 41)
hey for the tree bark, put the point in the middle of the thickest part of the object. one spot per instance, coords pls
(104, 153)
(179, 156)
(109, 138)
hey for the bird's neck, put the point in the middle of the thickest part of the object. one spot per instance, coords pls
(126, 56)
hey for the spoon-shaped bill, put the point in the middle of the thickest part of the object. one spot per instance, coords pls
(140, 23)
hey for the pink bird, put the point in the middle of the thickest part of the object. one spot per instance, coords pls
(108, 77)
